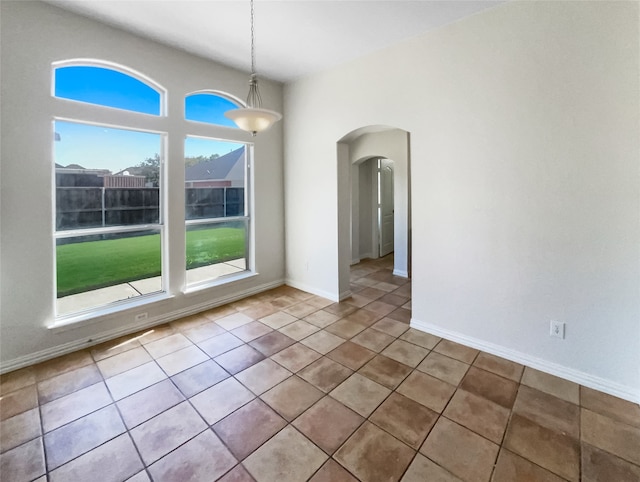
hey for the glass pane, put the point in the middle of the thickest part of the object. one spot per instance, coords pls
(215, 250)
(97, 270)
(106, 176)
(215, 181)
(106, 87)
(209, 108)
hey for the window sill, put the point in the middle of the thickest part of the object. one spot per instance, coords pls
(78, 320)
(197, 288)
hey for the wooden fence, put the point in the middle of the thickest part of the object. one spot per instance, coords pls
(90, 207)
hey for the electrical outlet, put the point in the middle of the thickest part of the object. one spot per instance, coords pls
(556, 329)
(140, 317)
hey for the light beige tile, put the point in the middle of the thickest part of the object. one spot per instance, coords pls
(552, 385)
(81, 436)
(321, 318)
(247, 428)
(180, 360)
(405, 419)
(292, 397)
(427, 390)
(114, 347)
(233, 321)
(251, 331)
(478, 414)
(325, 374)
(420, 338)
(422, 469)
(361, 454)
(331, 471)
(167, 345)
(18, 401)
(448, 439)
(390, 327)
(447, 369)
(328, 424)
(25, 462)
(455, 350)
(323, 342)
(167, 431)
(19, 429)
(262, 376)
(202, 458)
(102, 460)
(68, 382)
(296, 357)
(114, 365)
(360, 394)
(600, 466)
(220, 400)
(73, 406)
(610, 406)
(62, 364)
(12, 381)
(276, 462)
(148, 403)
(135, 380)
(512, 467)
(611, 435)
(499, 366)
(278, 320)
(299, 330)
(554, 451)
(405, 352)
(548, 411)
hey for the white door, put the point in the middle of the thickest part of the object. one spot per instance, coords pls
(385, 206)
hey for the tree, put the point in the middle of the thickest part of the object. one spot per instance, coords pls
(192, 161)
(150, 169)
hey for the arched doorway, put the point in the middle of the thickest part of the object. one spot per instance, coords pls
(360, 155)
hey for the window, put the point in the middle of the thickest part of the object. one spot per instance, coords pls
(109, 230)
(106, 87)
(217, 220)
(110, 238)
(209, 108)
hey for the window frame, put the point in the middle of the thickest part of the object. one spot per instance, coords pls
(92, 114)
(247, 218)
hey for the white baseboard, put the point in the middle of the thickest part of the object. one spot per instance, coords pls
(577, 376)
(312, 290)
(355, 261)
(401, 273)
(76, 345)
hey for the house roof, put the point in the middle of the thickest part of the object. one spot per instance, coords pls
(219, 168)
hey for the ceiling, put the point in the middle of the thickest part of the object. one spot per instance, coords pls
(294, 38)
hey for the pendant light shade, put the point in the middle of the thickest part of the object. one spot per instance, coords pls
(253, 118)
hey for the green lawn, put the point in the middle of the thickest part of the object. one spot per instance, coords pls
(96, 264)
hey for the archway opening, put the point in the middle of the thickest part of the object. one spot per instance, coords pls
(372, 159)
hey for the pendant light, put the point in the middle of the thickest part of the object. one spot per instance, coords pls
(253, 118)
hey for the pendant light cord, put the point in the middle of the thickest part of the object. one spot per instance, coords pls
(253, 42)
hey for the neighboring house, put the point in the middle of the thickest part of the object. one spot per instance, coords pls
(225, 171)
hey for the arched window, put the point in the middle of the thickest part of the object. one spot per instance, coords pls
(107, 87)
(108, 189)
(209, 108)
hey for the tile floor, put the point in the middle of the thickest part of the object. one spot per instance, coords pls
(286, 386)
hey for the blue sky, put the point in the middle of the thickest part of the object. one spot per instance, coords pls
(100, 147)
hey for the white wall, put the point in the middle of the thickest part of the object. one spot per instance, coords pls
(33, 36)
(525, 185)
